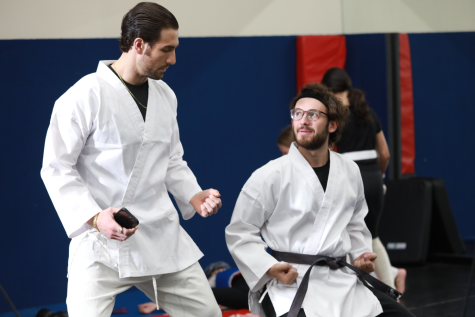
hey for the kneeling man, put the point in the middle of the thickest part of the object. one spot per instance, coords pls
(309, 207)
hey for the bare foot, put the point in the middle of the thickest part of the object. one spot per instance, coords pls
(147, 308)
(400, 280)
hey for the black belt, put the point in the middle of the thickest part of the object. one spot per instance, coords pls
(334, 264)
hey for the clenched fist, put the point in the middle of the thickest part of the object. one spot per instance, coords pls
(207, 202)
(365, 262)
(284, 272)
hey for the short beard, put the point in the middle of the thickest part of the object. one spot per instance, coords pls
(145, 68)
(154, 76)
(319, 140)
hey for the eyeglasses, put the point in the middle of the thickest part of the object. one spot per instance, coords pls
(312, 115)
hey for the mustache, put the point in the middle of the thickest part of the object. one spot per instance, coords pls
(306, 128)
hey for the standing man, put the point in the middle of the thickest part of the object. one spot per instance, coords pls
(113, 142)
(309, 207)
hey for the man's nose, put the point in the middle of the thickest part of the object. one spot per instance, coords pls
(171, 58)
(304, 120)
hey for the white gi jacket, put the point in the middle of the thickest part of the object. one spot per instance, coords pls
(285, 203)
(99, 152)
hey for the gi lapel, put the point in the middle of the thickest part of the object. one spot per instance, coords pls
(316, 238)
(158, 126)
(157, 129)
(308, 173)
(324, 200)
(127, 100)
(319, 197)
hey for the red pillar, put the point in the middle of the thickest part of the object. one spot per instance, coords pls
(316, 54)
(408, 152)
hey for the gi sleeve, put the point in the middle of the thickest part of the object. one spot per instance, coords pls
(360, 236)
(180, 180)
(243, 237)
(65, 139)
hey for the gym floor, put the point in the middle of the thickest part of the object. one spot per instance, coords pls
(438, 289)
(432, 290)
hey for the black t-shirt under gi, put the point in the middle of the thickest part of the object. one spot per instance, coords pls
(139, 91)
(322, 173)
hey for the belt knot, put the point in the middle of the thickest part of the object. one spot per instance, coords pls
(334, 263)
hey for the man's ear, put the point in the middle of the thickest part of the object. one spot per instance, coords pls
(332, 126)
(139, 45)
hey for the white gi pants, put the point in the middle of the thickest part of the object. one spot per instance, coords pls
(93, 286)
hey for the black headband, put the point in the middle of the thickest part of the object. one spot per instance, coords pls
(309, 94)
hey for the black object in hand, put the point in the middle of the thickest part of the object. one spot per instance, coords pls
(124, 218)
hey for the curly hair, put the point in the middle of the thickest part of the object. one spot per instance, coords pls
(336, 111)
(146, 21)
(337, 80)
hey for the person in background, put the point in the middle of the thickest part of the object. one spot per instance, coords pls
(285, 139)
(363, 141)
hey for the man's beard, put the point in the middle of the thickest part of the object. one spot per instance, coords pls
(319, 140)
(152, 75)
(148, 69)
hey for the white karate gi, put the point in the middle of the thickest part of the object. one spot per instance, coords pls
(99, 152)
(285, 203)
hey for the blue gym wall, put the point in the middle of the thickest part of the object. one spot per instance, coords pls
(233, 95)
(443, 70)
(366, 65)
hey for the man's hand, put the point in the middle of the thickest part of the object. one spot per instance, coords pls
(206, 203)
(365, 262)
(109, 227)
(284, 272)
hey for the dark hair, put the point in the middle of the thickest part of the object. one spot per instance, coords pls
(336, 111)
(337, 80)
(146, 21)
(286, 136)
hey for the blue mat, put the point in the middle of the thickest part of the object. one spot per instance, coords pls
(128, 299)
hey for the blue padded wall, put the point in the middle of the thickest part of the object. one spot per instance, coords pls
(366, 65)
(233, 96)
(443, 65)
(443, 70)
